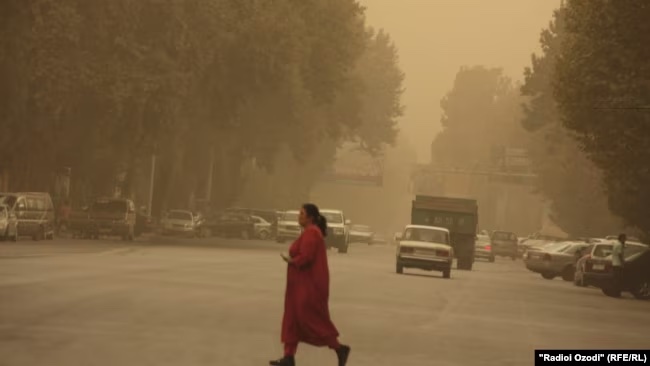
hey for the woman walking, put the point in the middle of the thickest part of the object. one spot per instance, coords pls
(306, 311)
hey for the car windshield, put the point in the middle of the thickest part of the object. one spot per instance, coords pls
(179, 215)
(426, 235)
(333, 218)
(290, 216)
(483, 239)
(109, 206)
(572, 248)
(501, 235)
(362, 228)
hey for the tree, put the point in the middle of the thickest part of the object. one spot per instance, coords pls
(470, 133)
(565, 176)
(602, 84)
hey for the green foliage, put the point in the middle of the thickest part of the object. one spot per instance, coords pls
(100, 87)
(602, 86)
(565, 176)
(479, 114)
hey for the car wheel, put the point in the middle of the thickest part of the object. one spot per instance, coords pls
(446, 273)
(642, 290)
(548, 276)
(399, 269)
(264, 235)
(568, 274)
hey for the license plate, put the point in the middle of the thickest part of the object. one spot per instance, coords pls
(599, 267)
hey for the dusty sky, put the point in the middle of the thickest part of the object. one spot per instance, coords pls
(436, 37)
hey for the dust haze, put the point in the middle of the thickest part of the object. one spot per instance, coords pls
(393, 182)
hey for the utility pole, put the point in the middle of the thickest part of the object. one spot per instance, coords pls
(151, 181)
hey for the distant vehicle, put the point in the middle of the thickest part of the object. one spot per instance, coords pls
(34, 212)
(505, 244)
(8, 224)
(636, 270)
(231, 224)
(556, 260)
(263, 228)
(484, 248)
(288, 227)
(361, 234)
(181, 223)
(380, 239)
(112, 217)
(338, 232)
(458, 215)
(396, 237)
(425, 247)
(269, 216)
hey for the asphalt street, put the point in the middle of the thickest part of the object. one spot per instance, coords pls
(219, 302)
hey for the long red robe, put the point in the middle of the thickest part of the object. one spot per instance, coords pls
(306, 311)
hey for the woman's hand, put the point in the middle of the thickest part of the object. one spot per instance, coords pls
(285, 257)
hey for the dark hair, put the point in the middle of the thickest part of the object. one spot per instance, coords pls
(319, 220)
(622, 237)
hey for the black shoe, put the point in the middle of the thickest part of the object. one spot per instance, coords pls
(284, 361)
(343, 353)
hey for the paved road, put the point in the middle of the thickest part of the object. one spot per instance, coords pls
(219, 302)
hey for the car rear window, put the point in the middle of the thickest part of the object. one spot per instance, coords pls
(500, 235)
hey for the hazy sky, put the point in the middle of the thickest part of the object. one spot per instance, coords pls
(436, 37)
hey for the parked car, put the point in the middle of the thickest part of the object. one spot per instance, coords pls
(181, 223)
(483, 248)
(504, 244)
(263, 228)
(34, 212)
(425, 247)
(361, 234)
(635, 274)
(111, 217)
(269, 216)
(8, 224)
(233, 225)
(288, 227)
(556, 260)
(338, 230)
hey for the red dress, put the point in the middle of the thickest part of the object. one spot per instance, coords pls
(306, 311)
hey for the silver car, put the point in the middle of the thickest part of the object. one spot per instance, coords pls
(557, 259)
(288, 227)
(483, 248)
(181, 223)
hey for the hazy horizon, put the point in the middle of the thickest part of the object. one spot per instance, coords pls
(499, 33)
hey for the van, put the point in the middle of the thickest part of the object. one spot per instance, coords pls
(504, 244)
(112, 217)
(34, 211)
